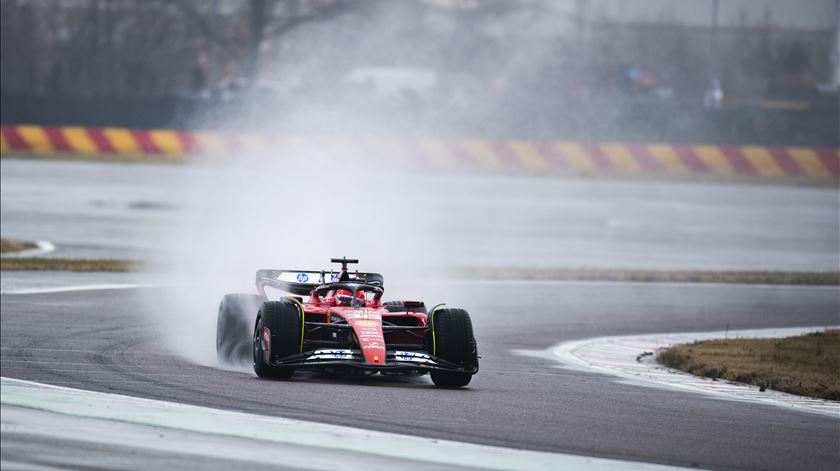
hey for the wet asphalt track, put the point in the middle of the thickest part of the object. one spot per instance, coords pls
(104, 341)
(110, 210)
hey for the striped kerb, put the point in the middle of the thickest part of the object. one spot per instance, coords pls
(620, 157)
(80, 141)
(667, 157)
(762, 161)
(483, 154)
(714, 159)
(494, 155)
(575, 156)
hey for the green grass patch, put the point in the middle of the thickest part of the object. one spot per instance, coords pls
(67, 264)
(807, 365)
(655, 276)
(11, 246)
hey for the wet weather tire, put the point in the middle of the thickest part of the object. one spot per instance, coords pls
(453, 342)
(233, 327)
(284, 322)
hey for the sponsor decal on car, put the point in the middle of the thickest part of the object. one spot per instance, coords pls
(404, 356)
(298, 277)
(415, 357)
(336, 354)
(365, 314)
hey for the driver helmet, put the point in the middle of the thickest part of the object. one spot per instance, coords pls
(344, 296)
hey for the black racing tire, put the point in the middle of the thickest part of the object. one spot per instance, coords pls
(453, 341)
(284, 320)
(237, 312)
(399, 306)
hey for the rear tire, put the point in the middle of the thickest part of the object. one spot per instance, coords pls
(453, 342)
(284, 321)
(233, 327)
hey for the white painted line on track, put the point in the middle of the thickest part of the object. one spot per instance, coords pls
(91, 287)
(70, 350)
(105, 372)
(44, 247)
(619, 356)
(631, 284)
(60, 362)
(55, 442)
(307, 437)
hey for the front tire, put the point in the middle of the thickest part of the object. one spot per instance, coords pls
(454, 342)
(278, 333)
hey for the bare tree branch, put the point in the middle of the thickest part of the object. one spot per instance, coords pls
(206, 29)
(327, 12)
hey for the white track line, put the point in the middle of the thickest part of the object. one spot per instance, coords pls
(306, 438)
(91, 287)
(44, 247)
(619, 356)
(670, 284)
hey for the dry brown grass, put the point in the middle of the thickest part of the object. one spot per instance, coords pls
(9, 246)
(66, 264)
(808, 365)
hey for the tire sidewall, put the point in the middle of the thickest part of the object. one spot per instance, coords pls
(453, 341)
(284, 322)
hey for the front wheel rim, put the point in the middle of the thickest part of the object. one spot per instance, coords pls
(257, 346)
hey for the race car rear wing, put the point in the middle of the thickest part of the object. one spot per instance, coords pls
(302, 282)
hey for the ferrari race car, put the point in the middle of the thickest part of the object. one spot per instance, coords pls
(337, 322)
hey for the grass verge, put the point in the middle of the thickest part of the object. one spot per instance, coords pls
(67, 264)
(807, 365)
(655, 276)
(10, 246)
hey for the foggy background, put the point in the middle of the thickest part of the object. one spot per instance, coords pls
(583, 70)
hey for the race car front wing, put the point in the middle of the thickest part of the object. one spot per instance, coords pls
(394, 360)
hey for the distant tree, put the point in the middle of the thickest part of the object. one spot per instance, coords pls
(267, 19)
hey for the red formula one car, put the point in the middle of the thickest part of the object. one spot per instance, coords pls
(337, 322)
